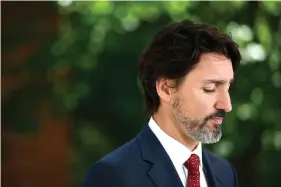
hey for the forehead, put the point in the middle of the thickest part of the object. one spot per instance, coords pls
(212, 66)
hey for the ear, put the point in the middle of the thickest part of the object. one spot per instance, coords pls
(163, 89)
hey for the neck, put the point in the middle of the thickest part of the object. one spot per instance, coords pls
(171, 127)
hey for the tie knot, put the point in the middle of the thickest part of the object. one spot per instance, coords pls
(193, 162)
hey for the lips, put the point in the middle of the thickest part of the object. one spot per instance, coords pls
(217, 120)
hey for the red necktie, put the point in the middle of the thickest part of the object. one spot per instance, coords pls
(192, 165)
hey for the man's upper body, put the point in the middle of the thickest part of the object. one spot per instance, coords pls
(145, 162)
(185, 73)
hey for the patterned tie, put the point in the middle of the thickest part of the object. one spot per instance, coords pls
(192, 165)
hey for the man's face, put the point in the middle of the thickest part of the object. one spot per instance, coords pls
(202, 99)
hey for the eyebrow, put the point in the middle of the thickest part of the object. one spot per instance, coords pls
(218, 81)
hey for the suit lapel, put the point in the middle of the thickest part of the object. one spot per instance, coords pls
(210, 170)
(162, 171)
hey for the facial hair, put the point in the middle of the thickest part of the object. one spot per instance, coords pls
(195, 128)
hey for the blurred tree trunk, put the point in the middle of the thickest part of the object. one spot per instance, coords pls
(30, 158)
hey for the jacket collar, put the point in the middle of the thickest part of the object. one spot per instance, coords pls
(210, 169)
(162, 171)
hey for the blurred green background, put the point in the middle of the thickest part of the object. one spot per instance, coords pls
(76, 96)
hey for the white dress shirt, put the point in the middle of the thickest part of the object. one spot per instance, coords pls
(178, 153)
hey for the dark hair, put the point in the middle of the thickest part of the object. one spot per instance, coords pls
(175, 51)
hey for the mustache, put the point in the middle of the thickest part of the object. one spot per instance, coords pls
(219, 113)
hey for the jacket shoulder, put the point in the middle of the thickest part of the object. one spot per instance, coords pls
(111, 166)
(223, 168)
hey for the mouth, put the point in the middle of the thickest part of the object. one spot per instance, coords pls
(217, 120)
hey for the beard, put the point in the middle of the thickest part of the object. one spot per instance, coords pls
(197, 129)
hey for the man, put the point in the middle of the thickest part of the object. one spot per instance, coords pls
(185, 73)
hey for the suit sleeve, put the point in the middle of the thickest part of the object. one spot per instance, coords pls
(101, 175)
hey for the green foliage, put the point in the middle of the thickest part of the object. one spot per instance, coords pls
(101, 41)
(96, 60)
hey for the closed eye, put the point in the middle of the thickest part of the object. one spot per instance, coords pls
(208, 90)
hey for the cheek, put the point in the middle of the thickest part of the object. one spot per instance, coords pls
(200, 103)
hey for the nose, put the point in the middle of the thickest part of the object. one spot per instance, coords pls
(224, 102)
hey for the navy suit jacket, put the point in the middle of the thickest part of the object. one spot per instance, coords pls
(143, 162)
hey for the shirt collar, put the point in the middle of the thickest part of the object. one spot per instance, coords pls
(176, 150)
